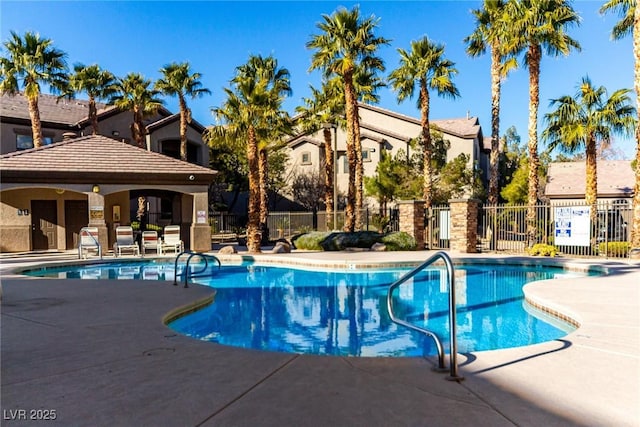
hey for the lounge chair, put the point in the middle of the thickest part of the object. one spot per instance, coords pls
(150, 242)
(171, 239)
(125, 241)
(88, 242)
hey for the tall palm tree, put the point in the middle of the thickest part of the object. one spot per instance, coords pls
(630, 24)
(134, 93)
(248, 115)
(347, 42)
(96, 83)
(178, 80)
(535, 26)
(324, 111)
(34, 61)
(580, 122)
(490, 33)
(424, 68)
(266, 70)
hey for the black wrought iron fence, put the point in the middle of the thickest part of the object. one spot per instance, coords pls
(566, 226)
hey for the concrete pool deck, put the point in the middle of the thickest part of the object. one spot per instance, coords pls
(97, 353)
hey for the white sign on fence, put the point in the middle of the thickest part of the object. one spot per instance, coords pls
(572, 226)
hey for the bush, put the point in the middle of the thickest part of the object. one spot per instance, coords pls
(320, 241)
(614, 249)
(309, 241)
(400, 241)
(543, 250)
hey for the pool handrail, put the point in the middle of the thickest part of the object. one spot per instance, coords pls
(453, 364)
(87, 232)
(186, 273)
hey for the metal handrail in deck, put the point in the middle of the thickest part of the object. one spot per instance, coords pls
(186, 272)
(453, 364)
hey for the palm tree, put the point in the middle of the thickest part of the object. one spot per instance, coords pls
(96, 83)
(35, 61)
(489, 33)
(535, 26)
(134, 93)
(630, 24)
(178, 80)
(278, 124)
(324, 111)
(584, 120)
(346, 43)
(252, 108)
(424, 67)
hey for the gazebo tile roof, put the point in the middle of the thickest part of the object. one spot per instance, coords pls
(97, 154)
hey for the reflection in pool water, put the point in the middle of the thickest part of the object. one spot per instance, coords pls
(344, 313)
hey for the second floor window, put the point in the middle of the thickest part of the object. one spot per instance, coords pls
(306, 158)
(25, 141)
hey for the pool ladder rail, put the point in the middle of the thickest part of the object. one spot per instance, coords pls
(186, 273)
(453, 364)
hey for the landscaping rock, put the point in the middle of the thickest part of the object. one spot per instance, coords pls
(282, 248)
(228, 250)
(634, 253)
(379, 247)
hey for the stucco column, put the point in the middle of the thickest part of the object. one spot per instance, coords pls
(411, 218)
(96, 218)
(200, 231)
(464, 225)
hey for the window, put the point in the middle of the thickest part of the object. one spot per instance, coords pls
(306, 158)
(366, 157)
(25, 141)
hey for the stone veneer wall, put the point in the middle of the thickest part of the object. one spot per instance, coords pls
(411, 217)
(464, 225)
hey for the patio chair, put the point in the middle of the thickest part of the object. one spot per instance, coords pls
(88, 242)
(171, 239)
(150, 242)
(125, 241)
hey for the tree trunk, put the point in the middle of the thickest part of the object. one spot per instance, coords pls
(328, 179)
(591, 191)
(359, 178)
(36, 126)
(495, 127)
(93, 115)
(183, 128)
(263, 173)
(137, 129)
(351, 111)
(534, 161)
(427, 149)
(635, 228)
(253, 226)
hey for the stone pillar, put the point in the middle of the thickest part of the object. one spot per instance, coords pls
(200, 231)
(464, 225)
(411, 218)
(96, 217)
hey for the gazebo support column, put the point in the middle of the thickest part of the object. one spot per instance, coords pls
(200, 231)
(96, 218)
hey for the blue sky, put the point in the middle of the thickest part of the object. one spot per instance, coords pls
(216, 36)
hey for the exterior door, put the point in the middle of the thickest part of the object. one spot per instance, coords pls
(76, 216)
(44, 222)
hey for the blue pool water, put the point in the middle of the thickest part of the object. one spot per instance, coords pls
(344, 312)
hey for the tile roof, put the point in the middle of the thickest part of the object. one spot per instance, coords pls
(568, 179)
(64, 111)
(91, 156)
(468, 127)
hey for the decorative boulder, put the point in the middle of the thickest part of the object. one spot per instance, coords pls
(282, 248)
(379, 247)
(228, 250)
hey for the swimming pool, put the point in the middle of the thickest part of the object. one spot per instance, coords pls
(343, 312)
